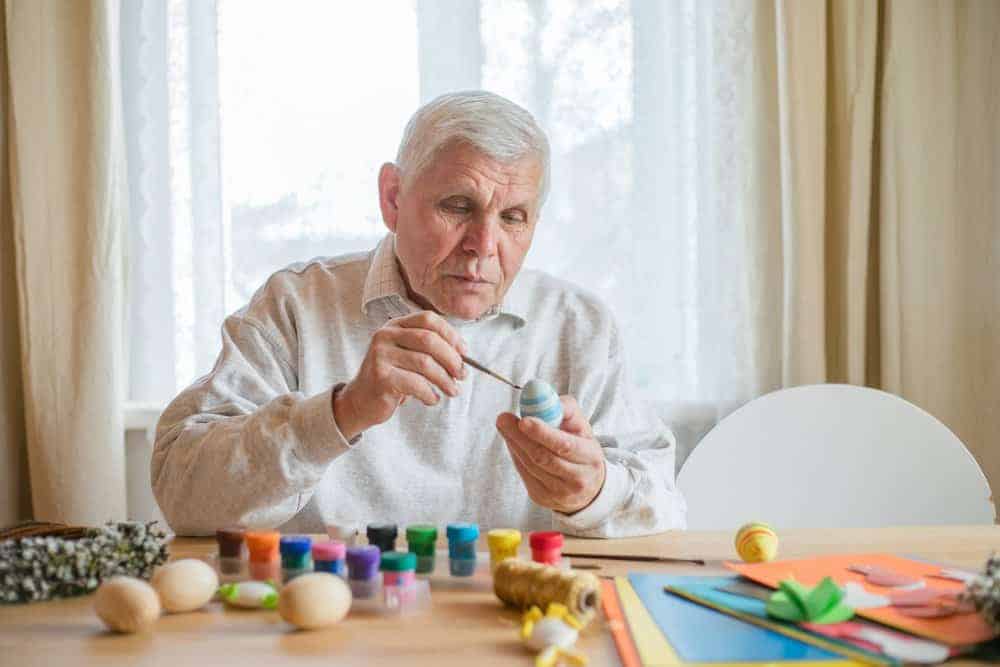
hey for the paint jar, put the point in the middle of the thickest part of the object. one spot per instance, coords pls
(503, 543)
(398, 568)
(296, 556)
(362, 570)
(348, 532)
(231, 557)
(330, 557)
(462, 548)
(546, 547)
(382, 535)
(264, 561)
(398, 579)
(421, 540)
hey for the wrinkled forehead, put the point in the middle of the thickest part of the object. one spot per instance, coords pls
(466, 169)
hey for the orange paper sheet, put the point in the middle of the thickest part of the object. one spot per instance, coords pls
(956, 630)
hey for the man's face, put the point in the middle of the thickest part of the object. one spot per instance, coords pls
(463, 227)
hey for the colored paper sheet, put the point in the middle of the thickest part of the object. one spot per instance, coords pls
(956, 630)
(617, 625)
(753, 610)
(699, 634)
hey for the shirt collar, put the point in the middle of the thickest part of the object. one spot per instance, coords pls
(385, 284)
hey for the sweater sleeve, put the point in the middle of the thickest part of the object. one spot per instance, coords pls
(242, 445)
(639, 496)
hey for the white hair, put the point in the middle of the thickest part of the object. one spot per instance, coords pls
(491, 124)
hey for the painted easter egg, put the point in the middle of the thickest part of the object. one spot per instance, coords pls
(756, 542)
(539, 399)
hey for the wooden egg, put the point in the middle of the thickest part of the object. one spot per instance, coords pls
(539, 399)
(314, 600)
(185, 585)
(126, 604)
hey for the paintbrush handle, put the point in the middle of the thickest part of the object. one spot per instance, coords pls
(478, 366)
(636, 557)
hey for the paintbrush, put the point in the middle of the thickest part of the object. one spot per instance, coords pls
(478, 366)
(635, 557)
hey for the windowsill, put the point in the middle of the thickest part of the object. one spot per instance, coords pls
(141, 416)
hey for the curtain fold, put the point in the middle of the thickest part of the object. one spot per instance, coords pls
(68, 212)
(881, 267)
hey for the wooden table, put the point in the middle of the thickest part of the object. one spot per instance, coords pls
(463, 628)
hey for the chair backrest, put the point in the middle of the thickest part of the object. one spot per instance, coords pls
(832, 456)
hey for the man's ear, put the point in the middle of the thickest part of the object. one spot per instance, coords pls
(389, 184)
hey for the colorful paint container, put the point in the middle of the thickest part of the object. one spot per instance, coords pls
(503, 543)
(296, 556)
(398, 568)
(382, 535)
(546, 547)
(264, 559)
(330, 557)
(362, 570)
(230, 541)
(462, 548)
(421, 540)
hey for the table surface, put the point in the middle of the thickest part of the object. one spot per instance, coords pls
(463, 627)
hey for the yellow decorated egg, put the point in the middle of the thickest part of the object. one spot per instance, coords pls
(756, 542)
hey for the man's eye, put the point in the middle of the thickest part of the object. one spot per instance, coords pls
(515, 217)
(455, 207)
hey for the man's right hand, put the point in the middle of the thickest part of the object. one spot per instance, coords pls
(408, 356)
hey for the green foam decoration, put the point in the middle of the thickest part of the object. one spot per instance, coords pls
(801, 604)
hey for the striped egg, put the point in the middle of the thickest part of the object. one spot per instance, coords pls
(539, 399)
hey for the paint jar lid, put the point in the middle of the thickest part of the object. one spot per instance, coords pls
(230, 542)
(262, 545)
(503, 538)
(295, 545)
(462, 532)
(421, 533)
(331, 550)
(362, 562)
(381, 532)
(546, 540)
(398, 561)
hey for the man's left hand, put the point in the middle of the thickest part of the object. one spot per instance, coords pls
(563, 469)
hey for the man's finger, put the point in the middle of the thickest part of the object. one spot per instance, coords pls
(429, 342)
(412, 384)
(574, 421)
(426, 366)
(427, 319)
(563, 445)
(538, 457)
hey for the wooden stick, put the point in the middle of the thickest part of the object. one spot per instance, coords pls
(635, 557)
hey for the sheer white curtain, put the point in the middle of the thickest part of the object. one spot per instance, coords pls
(256, 129)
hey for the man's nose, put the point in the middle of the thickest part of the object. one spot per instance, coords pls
(481, 237)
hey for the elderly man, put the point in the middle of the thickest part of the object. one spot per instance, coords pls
(341, 395)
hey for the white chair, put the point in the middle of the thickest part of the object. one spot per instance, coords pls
(832, 456)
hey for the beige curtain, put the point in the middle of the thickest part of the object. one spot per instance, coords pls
(63, 220)
(878, 239)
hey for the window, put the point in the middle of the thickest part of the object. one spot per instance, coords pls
(256, 129)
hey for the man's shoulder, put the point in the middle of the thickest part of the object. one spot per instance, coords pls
(340, 271)
(331, 281)
(542, 293)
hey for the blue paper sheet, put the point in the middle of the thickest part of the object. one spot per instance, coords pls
(700, 634)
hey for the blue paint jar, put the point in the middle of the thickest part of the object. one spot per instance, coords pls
(462, 548)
